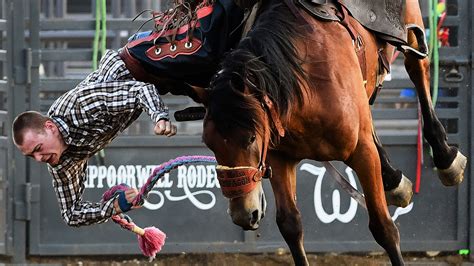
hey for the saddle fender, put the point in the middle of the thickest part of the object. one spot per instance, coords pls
(382, 16)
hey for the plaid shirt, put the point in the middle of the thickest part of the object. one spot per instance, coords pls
(89, 117)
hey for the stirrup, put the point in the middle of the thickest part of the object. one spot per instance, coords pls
(420, 38)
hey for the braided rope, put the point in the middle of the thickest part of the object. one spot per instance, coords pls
(150, 239)
(157, 173)
(124, 221)
(166, 167)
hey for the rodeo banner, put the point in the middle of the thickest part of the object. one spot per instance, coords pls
(197, 183)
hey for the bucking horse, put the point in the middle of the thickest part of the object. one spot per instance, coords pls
(298, 86)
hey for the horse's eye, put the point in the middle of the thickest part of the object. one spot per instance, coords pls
(252, 139)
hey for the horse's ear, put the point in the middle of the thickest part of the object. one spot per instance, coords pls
(200, 95)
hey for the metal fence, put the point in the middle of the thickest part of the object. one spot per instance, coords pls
(49, 52)
(4, 142)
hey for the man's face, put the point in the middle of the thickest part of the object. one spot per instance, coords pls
(46, 146)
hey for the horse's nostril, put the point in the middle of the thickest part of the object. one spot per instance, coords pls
(254, 218)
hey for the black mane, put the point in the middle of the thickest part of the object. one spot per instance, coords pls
(266, 62)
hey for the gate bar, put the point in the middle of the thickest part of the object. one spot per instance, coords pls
(17, 103)
(471, 148)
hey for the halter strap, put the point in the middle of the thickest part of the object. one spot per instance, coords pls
(273, 114)
(238, 181)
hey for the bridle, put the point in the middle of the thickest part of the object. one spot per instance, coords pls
(238, 181)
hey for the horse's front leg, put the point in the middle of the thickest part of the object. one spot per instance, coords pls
(288, 216)
(365, 162)
(449, 161)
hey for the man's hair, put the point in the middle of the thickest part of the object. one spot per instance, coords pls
(29, 120)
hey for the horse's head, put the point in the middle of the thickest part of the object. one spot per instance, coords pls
(236, 130)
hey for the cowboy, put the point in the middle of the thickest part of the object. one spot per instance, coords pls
(127, 82)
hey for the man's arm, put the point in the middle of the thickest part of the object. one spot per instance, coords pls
(153, 105)
(150, 100)
(68, 183)
(113, 87)
(111, 92)
(146, 96)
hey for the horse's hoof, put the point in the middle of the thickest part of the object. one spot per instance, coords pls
(455, 173)
(401, 195)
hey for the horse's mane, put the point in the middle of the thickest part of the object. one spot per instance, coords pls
(267, 63)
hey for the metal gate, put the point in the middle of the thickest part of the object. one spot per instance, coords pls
(55, 55)
(4, 141)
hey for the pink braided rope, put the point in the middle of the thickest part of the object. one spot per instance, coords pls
(150, 239)
(166, 167)
(124, 223)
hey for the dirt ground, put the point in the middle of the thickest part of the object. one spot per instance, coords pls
(270, 259)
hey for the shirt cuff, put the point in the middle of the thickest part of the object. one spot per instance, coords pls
(160, 115)
(109, 207)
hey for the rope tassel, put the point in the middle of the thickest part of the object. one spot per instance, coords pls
(150, 239)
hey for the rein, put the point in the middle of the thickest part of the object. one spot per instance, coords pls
(150, 239)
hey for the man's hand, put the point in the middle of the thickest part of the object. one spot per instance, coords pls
(164, 127)
(130, 195)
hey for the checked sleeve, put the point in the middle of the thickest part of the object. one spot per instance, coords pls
(68, 183)
(111, 91)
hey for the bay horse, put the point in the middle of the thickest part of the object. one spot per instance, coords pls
(293, 90)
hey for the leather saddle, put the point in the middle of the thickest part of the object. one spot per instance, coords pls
(384, 17)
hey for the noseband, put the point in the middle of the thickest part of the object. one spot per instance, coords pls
(238, 181)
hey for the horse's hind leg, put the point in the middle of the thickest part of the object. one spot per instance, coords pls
(366, 163)
(398, 188)
(288, 216)
(449, 161)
